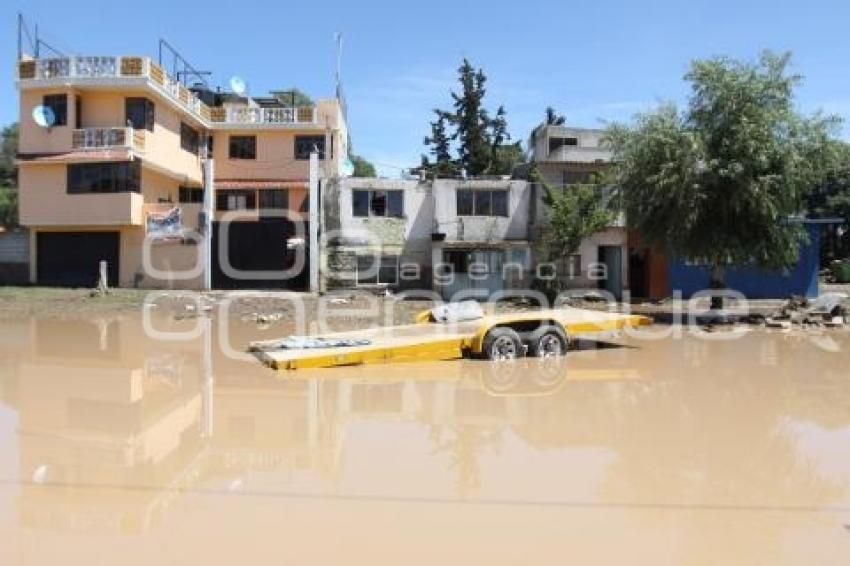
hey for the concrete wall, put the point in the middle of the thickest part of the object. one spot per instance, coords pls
(14, 257)
(482, 228)
(106, 109)
(346, 235)
(162, 146)
(44, 200)
(35, 139)
(276, 148)
(589, 146)
(275, 156)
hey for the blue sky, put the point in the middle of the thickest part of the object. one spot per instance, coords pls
(595, 61)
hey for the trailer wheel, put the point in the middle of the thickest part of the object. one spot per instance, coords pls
(502, 344)
(549, 341)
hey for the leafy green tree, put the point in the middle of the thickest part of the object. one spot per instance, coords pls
(471, 120)
(572, 214)
(720, 181)
(9, 176)
(506, 157)
(479, 138)
(553, 118)
(362, 167)
(831, 199)
(443, 165)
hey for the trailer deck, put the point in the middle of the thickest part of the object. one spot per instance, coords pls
(432, 341)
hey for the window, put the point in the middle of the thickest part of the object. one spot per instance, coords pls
(189, 138)
(571, 265)
(360, 203)
(482, 202)
(58, 103)
(113, 177)
(519, 256)
(367, 202)
(457, 259)
(305, 144)
(139, 113)
(558, 142)
(464, 202)
(500, 203)
(191, 195)
(274, 199)
(380, 270)
(243, 147)
(395, 204)
(78, 112)
(242, 199)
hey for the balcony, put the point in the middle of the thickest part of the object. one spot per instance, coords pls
(93, 139)
(241, 115)
(130, 71)
(52, 206)
(96, 70)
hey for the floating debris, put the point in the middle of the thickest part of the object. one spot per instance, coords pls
(780, 324)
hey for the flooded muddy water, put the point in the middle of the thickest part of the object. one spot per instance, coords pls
(118, 448)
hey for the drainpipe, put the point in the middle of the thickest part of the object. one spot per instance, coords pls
(206, 229)
(313, 249)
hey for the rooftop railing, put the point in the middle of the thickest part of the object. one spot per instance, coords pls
(143, 67)
(113, 67)
(257, 115)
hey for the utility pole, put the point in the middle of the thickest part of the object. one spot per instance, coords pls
(206, 227)
(313, 220)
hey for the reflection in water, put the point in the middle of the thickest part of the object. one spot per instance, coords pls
(117, 433)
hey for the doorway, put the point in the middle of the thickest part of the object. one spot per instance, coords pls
(612, 258)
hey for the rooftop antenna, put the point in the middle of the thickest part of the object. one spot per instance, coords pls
(181, 69)
(338, 41)
(340, 95)
(34, 43)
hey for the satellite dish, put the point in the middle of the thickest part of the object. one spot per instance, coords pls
(43, 116)
(40, 474)
(347, 168)
(237, 85)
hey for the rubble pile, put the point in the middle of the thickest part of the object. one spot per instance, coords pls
(829, 310)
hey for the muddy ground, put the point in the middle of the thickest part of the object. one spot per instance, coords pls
(349, 310)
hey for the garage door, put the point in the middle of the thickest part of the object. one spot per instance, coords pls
(71, 259)
(255, 247)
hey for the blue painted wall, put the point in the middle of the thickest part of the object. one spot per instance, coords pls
(753, 283)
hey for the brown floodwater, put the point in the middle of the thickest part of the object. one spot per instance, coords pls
(117, 448)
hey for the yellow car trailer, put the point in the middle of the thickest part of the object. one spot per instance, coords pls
(542, 333)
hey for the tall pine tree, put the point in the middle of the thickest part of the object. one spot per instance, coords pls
(479, 139)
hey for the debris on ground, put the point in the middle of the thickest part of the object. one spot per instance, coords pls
(594, 297)
(263, 320)
(776, 323)
(828, 310)
(307, 343)
(457, 312)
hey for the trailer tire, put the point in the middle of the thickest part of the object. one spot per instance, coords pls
(502, 344)
(548, 341)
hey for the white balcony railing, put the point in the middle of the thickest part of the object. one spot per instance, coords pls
(74, 67)
(113, 67)
(256, 115)
(86, 139)
(143, 67)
